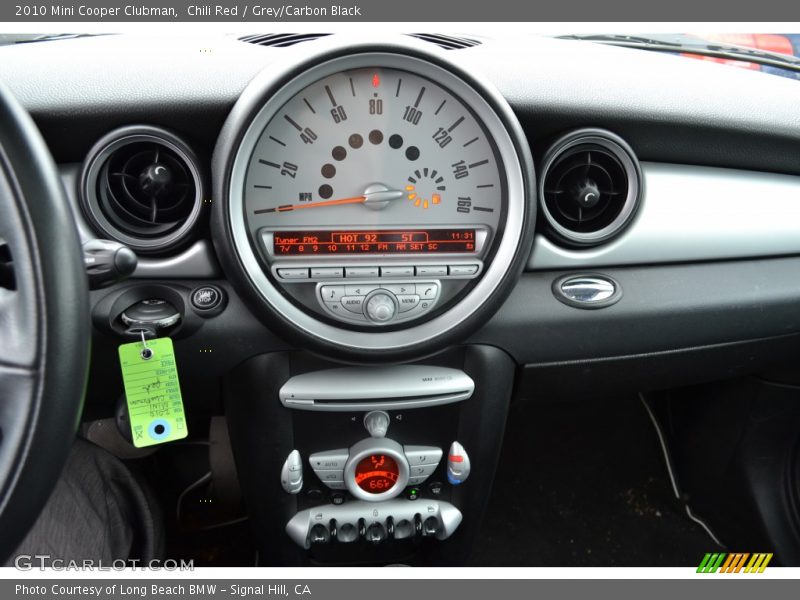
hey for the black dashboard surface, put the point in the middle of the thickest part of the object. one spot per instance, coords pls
(692, 113)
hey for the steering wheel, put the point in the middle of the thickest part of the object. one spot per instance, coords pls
(44, 324)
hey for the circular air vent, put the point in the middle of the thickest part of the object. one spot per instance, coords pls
(590, 187)
(142, 186)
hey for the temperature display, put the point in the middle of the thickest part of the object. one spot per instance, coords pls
(377, 473)
(420, 241)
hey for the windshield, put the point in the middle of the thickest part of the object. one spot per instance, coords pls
(779, 43)
(773, 53)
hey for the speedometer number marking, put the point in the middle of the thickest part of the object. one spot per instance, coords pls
(412, 115)
(460, 170)
(337, 112)
(306, 134)
(442, 137)
(375, 106)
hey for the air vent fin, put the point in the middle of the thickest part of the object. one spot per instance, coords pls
(448, 42)
(7, 279)
(590, 187)
(281, 40)
(142, 187)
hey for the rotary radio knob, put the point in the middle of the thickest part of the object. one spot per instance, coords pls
(381, 307)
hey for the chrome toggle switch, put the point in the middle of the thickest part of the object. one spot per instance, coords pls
(292, 473)
(457, 464)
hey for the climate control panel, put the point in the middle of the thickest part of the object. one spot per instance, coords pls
(375, 469)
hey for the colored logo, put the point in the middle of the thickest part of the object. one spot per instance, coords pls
(737, 562)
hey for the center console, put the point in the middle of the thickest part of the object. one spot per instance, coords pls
(357, 235)
(368, 464)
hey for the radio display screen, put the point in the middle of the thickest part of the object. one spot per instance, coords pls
(416, 241)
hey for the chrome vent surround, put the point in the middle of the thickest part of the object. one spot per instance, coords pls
(142, 186)
(590, 187)
(280, 40)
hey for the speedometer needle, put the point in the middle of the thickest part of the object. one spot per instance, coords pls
(374, 199)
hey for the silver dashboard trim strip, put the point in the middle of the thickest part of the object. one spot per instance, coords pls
(691, 213)
(195, 262)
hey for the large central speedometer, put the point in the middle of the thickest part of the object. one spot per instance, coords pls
(379, 148)
(375, 200)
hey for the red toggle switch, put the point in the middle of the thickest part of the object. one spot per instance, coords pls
(457, 464)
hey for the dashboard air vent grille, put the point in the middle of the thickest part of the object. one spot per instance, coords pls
(281, 40)
(142, 187)
(590, 187)
(7, 278)
(448, 42)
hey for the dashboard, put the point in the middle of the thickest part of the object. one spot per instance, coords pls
(707, 182)
(364, 247)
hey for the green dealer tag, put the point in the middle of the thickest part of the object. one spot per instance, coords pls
(153, 392)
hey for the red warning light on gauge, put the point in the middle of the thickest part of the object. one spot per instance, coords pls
(376, 81)
(377, 473)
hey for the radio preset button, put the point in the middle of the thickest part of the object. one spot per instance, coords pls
(361, 272)
(354, 304)
(406, 302)
(293, 273)
(397, 271)
(462, 270)
(431, 270)
(327, 272)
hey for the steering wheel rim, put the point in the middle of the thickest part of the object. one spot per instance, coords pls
(44, 324)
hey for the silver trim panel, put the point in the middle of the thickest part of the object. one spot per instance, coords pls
(196, 262)
(376, 388)
(690, 213)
